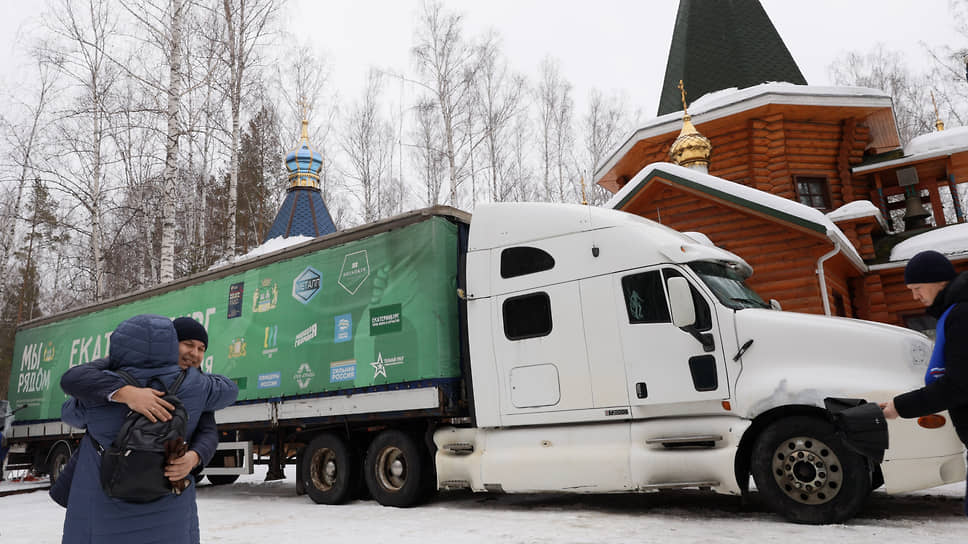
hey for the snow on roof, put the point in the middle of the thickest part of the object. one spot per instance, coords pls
(269, 246)
(856, 210)
(951, 240)
(795, 211)
(952, 138)
(727, 102)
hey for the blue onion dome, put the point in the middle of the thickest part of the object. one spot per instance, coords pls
(304, 162)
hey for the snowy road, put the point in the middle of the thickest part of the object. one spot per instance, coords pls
(253, 511)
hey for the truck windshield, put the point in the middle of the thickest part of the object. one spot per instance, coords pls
(728, 286)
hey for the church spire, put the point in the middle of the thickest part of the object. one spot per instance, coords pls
(722, 44)
(691, 149)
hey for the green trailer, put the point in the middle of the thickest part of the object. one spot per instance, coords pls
(349, 329)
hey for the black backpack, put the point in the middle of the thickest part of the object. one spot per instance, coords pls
(133, 468)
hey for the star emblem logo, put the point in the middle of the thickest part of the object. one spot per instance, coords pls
(381, 364)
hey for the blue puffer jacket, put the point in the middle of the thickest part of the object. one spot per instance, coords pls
(146, 346)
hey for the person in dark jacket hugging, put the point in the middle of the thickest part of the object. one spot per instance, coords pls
(89, 383)
(933, 282)
(146, 346)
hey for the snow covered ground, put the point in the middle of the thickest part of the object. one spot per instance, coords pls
(253, 511)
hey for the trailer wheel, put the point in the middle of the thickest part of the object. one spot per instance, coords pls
(222, 479)
(58, 459)
(806, 473)
(328, 470)
(396, 469)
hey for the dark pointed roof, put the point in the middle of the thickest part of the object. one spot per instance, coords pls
(303, 213)
(718, 44)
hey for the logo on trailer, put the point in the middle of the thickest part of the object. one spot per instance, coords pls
(306, 335)
(342, 371)
(306, 284)
(343, 328)
(270, 345)
(237, 348)
(304, 375)
(356, 268)
(381, 364)
(270, 380)
(266, 296)
(48, 352)
(385, 319)
(235, 299)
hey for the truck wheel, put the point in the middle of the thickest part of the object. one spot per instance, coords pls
(58, 459)
(222, 479)
(806, 474)
(396, 469)
(328, 470)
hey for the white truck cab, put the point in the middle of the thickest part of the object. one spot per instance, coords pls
(609, 353)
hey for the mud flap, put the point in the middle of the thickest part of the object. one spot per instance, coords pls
(861, 425)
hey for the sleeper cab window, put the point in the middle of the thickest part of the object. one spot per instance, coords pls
(527, 316)
(520, 261)
(645, 298)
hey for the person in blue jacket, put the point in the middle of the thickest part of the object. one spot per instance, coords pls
(934, 283)
(89, 382)
(146, 346)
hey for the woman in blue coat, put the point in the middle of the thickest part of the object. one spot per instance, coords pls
(146, 346)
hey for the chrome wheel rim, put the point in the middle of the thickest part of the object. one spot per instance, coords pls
(391, 468)
(807, 470)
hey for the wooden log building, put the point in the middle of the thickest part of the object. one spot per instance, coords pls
(810, 185)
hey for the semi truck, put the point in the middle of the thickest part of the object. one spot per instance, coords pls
(531, 348)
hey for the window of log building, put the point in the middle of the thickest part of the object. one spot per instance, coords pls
(813, 191)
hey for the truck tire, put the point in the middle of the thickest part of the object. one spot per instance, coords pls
(57, 460)
(222, 479)
(396, 469)
(329, 472)
(805, 473)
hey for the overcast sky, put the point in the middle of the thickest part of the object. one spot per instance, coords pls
(615, 45)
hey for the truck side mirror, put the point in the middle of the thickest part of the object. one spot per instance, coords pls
(680, 299)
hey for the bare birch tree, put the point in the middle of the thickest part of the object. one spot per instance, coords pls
(555, 107)
(367, 142)
(247, 27)
(83, 30)
(603, 126)
(447, 62)
(500, 98)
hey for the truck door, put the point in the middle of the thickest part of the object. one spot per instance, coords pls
(666, 364)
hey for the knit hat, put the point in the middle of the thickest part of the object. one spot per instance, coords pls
(189, 329)
(928, 267)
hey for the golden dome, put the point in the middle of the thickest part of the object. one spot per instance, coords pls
(691, 147)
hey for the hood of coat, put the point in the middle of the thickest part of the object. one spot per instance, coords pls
(957, 290)
(144, 341)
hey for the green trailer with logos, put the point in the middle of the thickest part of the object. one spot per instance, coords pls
(341, 342)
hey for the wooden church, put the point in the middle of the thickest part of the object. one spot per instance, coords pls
(808, 184)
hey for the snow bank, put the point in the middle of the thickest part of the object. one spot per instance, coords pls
(951, 240)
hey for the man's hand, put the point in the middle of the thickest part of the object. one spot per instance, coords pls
(179, 468)
(888, 408)
(146, 401)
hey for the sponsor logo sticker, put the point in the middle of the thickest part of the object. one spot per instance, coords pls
(48, 352)
(355, 270)
(304, 375)
(235, 299)
(271, 335)
(307, 285)
(306, 335)
(266, 296)
(342, 371)
(270, 380)
(385, 319)
(237, 348)
(343, 328)
(381, 364)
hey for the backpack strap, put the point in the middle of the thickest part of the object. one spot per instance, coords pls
(128, 377)
(178, 381)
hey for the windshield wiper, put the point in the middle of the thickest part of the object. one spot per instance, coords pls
(749, 301)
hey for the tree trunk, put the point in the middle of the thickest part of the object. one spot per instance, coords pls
(171, 147)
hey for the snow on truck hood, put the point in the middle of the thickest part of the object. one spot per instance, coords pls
(802, 358)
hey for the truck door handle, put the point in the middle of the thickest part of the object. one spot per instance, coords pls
(641, 390)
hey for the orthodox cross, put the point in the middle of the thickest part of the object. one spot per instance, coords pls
(683, 91)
